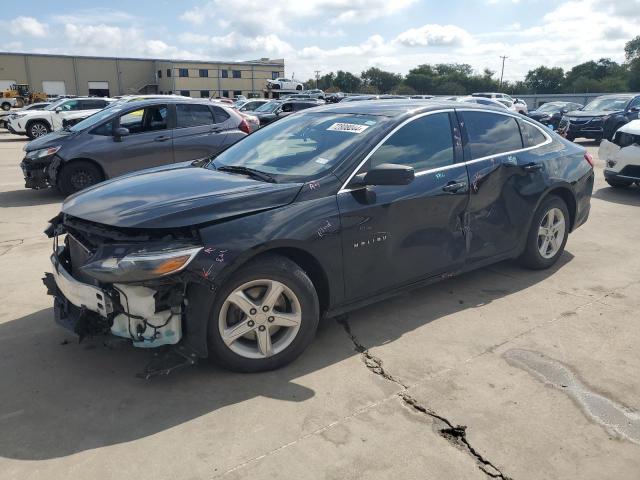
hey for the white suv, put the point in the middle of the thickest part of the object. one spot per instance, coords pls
(284, 84)
(37, 123)
(622, 156)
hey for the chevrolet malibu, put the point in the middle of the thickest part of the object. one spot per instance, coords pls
(239, 256)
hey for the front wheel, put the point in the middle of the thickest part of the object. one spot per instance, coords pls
(264, 316)
(548, 234)
(37, 129)
(6, 106)
(298, 87)
(77, 176)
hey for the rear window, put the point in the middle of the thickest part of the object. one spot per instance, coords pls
(491, 133)
(531, 135)
(193, 115)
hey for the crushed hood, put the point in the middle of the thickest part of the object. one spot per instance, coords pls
(176, 196)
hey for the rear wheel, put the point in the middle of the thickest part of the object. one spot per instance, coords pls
(618, 183)
(264, 316)
(77, 176)
(37, 129)
(6, 106)
(298, 87)
(547, 235)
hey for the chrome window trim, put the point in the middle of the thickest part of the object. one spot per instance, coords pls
(547, 141)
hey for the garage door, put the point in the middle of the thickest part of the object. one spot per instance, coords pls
(5, 84)
(54, 87)
(99, 89)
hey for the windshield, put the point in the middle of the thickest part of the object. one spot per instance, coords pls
(94, 119)
(299, 146)
(267, 107)
(55, 104)
(607, 104)
(550, 108)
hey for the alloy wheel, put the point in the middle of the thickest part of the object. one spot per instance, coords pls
(551, 233)
(260, 318)
(38, 130)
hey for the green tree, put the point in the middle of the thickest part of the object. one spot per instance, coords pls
(347, 82)
(632, 49)
(383, 81)
(545, 80)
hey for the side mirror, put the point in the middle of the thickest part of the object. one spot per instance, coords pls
(565, 110)
(58, 109)
(119, 133)
(385, 174)
(635, 109)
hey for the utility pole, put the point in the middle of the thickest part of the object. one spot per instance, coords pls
(503, 57)
(317, 72)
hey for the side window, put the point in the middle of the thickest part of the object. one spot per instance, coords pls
(93, 104)
(106, 129)
(147, 119)
(287, 107)
(423, 144)
(491, 133)
(220, 114)
(531, 135)
(70, 106)
(635, 103)
(193, 115)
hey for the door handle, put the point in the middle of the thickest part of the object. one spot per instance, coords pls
(532, 167)
(162, 138)
(453, 187)
(215, 130)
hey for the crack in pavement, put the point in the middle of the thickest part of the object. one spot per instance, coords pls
(8, 248)
(456, 435)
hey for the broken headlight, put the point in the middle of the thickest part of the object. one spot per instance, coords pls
(143, 265)
(43, 152)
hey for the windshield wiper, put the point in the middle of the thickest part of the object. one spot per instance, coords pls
(265, 177)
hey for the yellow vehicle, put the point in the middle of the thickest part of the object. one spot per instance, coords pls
(19, 95)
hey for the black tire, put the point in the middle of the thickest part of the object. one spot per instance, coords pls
(271, 267)
(6, 106)
(275, 86)
(531, 256)
(78, 175)
(298, 87)
(37, 129)
(618, 183)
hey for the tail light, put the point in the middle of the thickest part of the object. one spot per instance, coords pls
(588, 158)
(244, 126)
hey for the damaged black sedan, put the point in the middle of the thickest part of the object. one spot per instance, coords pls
(238, 257)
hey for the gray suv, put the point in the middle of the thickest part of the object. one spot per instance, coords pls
(130, 137)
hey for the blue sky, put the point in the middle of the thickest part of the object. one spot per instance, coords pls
(329, 35)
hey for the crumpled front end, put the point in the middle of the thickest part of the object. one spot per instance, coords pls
(621, 157)
(131, 284)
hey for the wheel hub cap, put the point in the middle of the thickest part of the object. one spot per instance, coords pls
(260, 319)
(551, 233)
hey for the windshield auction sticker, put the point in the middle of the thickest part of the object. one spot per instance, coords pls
(348, 127)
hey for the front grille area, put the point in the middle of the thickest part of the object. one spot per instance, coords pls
(631, 171)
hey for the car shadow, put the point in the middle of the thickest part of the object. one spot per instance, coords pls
(623, 196)
(28, 197)
(59, 397)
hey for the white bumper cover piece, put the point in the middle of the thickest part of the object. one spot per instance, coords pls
(80, 294)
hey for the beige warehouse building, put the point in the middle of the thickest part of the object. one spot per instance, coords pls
(109, 76)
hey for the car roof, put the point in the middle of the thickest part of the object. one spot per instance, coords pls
(399, 107)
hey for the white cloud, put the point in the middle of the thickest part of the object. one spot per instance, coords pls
(434, 35)
(28, 26)
(235, 44)
(252, 17)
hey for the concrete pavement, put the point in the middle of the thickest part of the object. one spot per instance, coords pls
(420, 386)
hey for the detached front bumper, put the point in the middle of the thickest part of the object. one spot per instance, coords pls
(625, 175)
